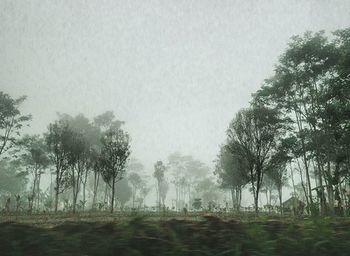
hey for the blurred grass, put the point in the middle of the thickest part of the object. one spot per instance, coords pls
(162, 234)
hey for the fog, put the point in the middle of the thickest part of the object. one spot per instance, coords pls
(175, 71)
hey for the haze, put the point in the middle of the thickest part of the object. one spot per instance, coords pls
(175, 71)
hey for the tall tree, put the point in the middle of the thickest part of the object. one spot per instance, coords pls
(232, 174)
(57, 140)
(158, 174)
(77, 160)
(33, 154)
(115, 152)
(135, 181)
(252, 136)
(186, 173)
(11, 120)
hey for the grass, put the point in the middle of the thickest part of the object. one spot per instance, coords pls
(172, 234)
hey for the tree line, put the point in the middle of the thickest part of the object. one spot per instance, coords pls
(83, 156)
(295, 133)
(296, 127)
(72, 148)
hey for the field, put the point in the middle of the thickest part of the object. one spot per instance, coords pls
(171, 234)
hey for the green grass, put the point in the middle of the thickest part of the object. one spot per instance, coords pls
(159, 234)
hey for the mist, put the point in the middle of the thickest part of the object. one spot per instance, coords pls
(175, 71)
(174, 127)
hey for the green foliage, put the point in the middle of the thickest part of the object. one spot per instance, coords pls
(11, 120)
(300, 115)
(12, 180)
(115, 152)
(123, 192)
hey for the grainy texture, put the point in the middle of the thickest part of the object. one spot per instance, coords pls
(209, 235)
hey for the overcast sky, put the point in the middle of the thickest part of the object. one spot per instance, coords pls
(175, 71)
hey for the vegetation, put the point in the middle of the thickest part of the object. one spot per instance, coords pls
(299, 118)
(206, 236)
(295, 134)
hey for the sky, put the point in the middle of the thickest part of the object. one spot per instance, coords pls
(175, 71)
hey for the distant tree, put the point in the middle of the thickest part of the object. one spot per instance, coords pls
(207, 190)
(197, 203)
(232, 174)
(77, 154)
(123, 192)
(11, 120)
(33, 153)
(135, 181)
(57, 140)
(163, 191)
(13, 180)
(135, 166)
(158, 174)
(107, 121)
(85, 143)
(186, 173)
(144, 191)
(115, 152)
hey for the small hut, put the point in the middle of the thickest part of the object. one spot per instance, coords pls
(294, 205)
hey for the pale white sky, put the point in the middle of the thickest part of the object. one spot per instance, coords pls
(175, 71)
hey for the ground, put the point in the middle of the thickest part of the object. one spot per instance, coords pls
(171, 234)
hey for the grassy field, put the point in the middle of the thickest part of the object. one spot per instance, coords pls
(171, 234)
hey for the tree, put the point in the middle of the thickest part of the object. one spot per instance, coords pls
(276, 171)
(158, 174)
(144, 191)
(232, 174)
(311, 85)
(84, 144)
(135, 181)
(11, 120)
(252, 136)
(163, 191)
(77, 153)
(186, 173)
(57, 140)
(106, 121)
(123, 192)
(115, 152)
(135, 166)
(33, 154)
(207, 190)
(13, 181)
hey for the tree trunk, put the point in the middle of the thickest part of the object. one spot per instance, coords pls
(31, 202)
(96, 182)
(84, 188)
(74, 190)
(233, 198)
(112, 199)
(38, 190)
(56, 196)
(256, 203)
(280, 199)
(309, 210)
(238, 199)
(305, 161)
